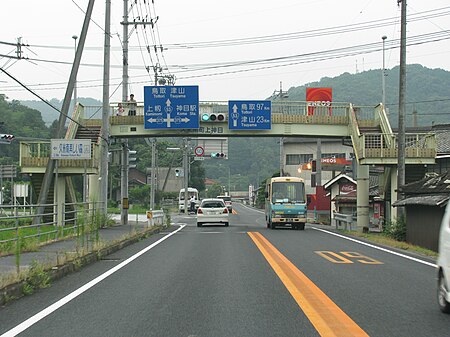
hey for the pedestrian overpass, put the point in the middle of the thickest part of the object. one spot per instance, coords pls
(367, 129)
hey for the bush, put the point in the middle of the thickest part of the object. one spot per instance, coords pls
(396, 230)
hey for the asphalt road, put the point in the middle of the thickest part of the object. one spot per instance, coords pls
(242, 280)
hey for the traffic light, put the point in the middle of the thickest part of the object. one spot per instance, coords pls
(6, 138)
(313, 166)
(218, 155)
(213, 117)
(131, 160)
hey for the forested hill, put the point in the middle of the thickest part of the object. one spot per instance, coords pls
(49, 114)
(427, 91)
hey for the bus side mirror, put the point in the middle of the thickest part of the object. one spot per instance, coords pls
(266, 195)
(308, 199)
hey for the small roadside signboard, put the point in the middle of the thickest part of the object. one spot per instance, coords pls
(249, 115)
(70, 149)
(171, 107)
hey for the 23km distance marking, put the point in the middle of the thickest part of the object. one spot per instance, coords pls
(346, 257)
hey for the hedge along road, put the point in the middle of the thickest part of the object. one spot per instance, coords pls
(216, 281)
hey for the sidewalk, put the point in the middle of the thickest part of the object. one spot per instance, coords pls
(61, 257)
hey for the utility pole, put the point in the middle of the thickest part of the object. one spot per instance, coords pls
(401, 107)
(279, 95)
(75, 37)
(105, 111)
(383, 79)
(124, 162)
(125, 82)
(319, 163)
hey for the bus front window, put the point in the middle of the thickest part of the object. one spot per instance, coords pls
(283, 192)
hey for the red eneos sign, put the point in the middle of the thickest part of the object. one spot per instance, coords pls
(319, 99)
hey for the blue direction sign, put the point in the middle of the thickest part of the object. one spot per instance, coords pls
(171, 107)
(249, 115)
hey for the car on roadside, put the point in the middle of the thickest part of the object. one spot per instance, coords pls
(443, 263)
(213, 210)
(227, 200)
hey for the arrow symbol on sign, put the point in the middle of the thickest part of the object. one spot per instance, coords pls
(235, 108)
(168, 102)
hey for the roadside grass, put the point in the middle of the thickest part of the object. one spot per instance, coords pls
(38, 275)
(30, 237)
(384, 240)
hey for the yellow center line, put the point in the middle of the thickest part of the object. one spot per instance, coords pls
(324, 314)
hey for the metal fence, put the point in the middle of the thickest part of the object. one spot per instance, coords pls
(18, 222)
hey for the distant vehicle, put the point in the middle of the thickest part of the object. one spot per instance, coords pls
(443, 263)
(227, 200)
(191, 192)
(285, 202)
(212, 211)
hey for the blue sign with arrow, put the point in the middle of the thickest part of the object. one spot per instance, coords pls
(249, 115)
(171, 107)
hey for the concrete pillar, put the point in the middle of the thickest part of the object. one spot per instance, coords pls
(60, 198)
(362, 196)
(394, 194)
(94, 188)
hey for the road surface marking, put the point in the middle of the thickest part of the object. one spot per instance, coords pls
(376, 247)
(66, 299)
(333, 257)
(339, 259)
(324, 314)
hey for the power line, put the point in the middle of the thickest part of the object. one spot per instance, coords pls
(48, 103)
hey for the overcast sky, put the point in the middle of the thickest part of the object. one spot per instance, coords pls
(288, 41)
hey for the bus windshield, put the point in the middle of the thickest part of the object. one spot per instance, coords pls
(288, 192)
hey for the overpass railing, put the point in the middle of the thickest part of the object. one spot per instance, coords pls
(37, 154)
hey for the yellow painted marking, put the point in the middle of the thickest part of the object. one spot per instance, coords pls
(329, 256)
(327, 318)
(361, 258)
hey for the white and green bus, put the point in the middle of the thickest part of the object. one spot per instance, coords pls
(285, 202)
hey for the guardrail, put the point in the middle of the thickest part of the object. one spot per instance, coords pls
(346, 219)
(155, 218)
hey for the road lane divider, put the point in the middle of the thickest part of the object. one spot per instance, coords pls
(327, 318)
(66, 299)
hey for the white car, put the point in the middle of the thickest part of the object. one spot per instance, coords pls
(443, 263)
(227, 200)
(212, 211)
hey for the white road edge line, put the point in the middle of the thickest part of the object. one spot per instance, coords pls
(66, 299)
(376, 247)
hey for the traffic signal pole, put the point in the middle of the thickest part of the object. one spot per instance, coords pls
(186, 173)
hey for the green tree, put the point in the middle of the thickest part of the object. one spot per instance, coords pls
(214, 190)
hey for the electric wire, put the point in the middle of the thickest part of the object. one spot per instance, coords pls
(284, 60)
(49, 104)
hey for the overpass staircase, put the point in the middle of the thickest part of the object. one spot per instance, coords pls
(34, 157)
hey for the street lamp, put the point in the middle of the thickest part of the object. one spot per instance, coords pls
(75, 37)
(383, 83)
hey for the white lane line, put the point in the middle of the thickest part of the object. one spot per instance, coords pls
(66, 299)
(376, 247)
